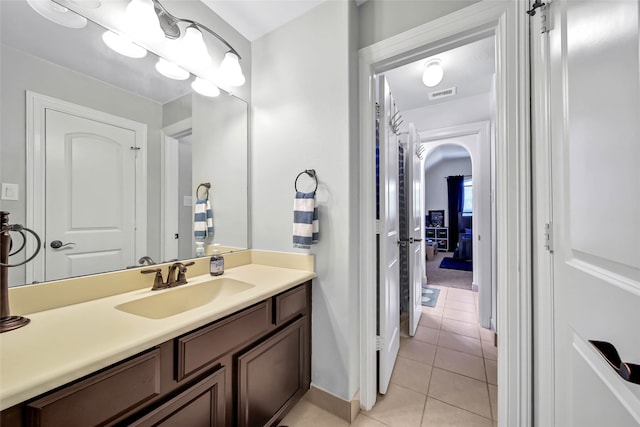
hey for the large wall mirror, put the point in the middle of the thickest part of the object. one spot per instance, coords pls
(102, 148)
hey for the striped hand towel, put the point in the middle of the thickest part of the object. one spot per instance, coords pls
(203, 219)
(305, 220)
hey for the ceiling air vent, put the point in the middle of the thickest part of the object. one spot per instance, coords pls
(444, 93)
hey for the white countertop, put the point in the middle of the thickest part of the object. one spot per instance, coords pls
(66, 343)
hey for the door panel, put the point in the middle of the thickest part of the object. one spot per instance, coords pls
(389, 262)
(595, 105)
(416, 226)
(90, 196)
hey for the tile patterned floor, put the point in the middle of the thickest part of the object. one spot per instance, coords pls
(445, 376)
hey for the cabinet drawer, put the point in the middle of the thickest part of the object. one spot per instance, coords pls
(290, 303)
(442, 233)
(203, 347)
(101, 397)
(442, 244)
(431, 233)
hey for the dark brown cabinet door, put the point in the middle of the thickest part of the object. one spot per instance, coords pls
(201, 405)
(272, 376)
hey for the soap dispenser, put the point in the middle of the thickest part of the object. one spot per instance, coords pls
(216, 264)
(199, 249)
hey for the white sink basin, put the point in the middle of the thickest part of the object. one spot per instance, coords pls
(180, 299)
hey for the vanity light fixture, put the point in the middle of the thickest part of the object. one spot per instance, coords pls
(123, 46)
(140, 19)
(229, 72)
(205, 87)
(193, 49)
(58, 14)
(433, 73)
(171, 70)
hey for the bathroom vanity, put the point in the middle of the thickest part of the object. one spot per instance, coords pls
(242, 359)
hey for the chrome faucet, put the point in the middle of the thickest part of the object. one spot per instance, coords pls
(172, 281)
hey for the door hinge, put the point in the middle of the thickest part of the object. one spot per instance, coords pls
(379, 342)
(544, 19)
(543, 8)
(548, 237)
(377, 226)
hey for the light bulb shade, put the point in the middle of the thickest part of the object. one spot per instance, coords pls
(123, 46)
(230, 71)
(433, 74)
(141, 20)
(171, 70)
(205, 87)
(58, 14)
(193, 48)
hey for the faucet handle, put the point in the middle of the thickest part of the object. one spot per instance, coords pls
(157, 280)
(182, 278)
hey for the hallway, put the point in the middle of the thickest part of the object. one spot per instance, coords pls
(444, 376)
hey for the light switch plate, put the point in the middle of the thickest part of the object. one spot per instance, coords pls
(9, 191)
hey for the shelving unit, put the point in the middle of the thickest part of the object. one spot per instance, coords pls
(440, 235)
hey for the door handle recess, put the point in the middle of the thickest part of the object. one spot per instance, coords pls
(628, 371)
(57, 244)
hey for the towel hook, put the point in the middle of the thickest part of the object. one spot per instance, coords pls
(207, 186)
(311, 173)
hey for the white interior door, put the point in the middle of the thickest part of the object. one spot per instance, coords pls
(415, 178)
(90, 196)
(595, 112)
(389, 258)
(171, 229)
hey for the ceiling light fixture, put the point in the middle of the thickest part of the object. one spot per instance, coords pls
(433, 73)
(58, 14)
(123, 46)
(171, 70)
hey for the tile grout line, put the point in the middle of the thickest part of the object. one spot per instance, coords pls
(463, 409)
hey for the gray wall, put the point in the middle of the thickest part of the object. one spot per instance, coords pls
(435, 184)
(304, 117)
(381, 19)
(219, 141)
(21, 72)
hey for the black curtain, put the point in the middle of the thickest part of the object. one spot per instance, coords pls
(455, 190)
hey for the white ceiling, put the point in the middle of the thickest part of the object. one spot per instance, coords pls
(469, 68)
(255, 18)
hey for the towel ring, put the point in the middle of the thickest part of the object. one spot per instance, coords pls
(207, 186)
(311, 173)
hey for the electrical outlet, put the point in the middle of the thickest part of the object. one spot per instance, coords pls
(9, 191)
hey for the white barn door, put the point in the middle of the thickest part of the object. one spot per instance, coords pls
(389, 257)
(595, 117)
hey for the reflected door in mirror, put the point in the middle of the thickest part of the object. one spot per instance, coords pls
(90, 196)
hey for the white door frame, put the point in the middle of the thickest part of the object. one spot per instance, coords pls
(169, 176)
(508, 22)
(37, 105)
(543, 285)
(481, 162)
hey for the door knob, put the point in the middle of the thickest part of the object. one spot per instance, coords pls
(57, 244)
